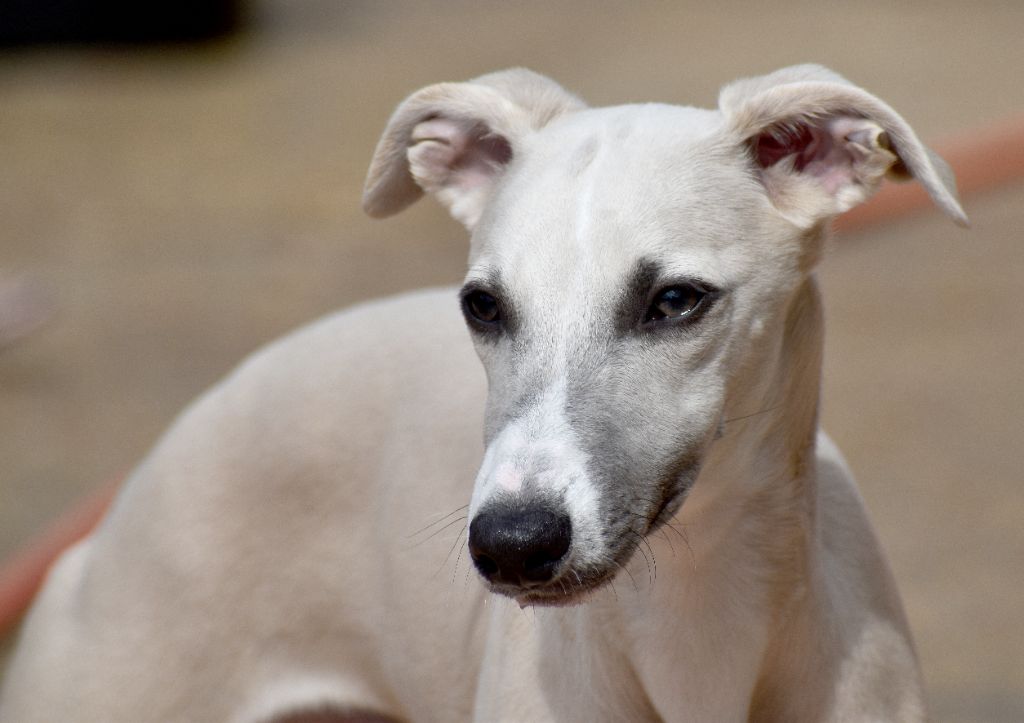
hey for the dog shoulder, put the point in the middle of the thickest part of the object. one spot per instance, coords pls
(877, 667)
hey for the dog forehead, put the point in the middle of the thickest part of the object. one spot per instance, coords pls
(617, 156)
(596, 191)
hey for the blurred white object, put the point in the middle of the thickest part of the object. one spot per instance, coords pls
(25, 305)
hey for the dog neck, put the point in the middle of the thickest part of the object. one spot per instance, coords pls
(737, 560)
(757, 483)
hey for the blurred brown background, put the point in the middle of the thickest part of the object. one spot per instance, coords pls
(187, 204)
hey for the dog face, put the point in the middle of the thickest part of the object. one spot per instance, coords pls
(626, 264)
(612, 283)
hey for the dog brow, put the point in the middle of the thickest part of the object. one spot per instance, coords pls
(635, 292)
(484, 277)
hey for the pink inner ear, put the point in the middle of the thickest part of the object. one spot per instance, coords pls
(481, 153)
(804, 142)
(492, 148)
(819, 152)
(464, 153)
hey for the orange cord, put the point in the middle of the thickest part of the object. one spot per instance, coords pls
(23, 573)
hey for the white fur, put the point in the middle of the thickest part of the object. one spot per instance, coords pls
(295, 540)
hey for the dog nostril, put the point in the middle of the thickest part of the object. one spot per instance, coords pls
(538, 560)
(485, 565)
(540, 567)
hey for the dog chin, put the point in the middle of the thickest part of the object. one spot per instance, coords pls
(556, 594)
(532, 600)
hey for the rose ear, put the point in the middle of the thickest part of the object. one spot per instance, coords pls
(821, 145)
(454, 140)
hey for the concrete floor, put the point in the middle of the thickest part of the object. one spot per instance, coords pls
(187, 206)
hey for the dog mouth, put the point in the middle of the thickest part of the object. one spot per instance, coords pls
(574, 586)
(627, 530)
(568, 590)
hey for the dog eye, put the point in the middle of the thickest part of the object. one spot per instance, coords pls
(481, 307)
(676, 303)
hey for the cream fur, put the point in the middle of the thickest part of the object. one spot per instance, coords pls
(284, 545)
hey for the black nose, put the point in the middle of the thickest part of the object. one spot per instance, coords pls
(519, 545)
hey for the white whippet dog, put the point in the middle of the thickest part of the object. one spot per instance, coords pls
(653, 487)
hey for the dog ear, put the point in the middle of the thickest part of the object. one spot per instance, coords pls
(821, 145)
(453, 140)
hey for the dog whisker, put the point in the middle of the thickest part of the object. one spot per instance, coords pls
(652, 568)
(466, 577)
(686, 541)
(438, 521)
(451, 549)
(654, 560)
(438, 531)
(628, 574)
(668, 541)
(615, 593)
(458, 559)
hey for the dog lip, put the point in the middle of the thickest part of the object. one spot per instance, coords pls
(564, 591)
(669, 507)
(550, 594)
(550, 601)
(561, 593)
(651, 523)
(557, 593)
(556, 597)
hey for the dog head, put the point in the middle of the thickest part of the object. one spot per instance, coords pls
(626, 266)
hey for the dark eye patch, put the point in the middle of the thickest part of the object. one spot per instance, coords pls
(652, 300)
(675, 304)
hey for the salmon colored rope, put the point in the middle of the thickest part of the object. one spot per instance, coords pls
(22, 574)
(982, 159)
